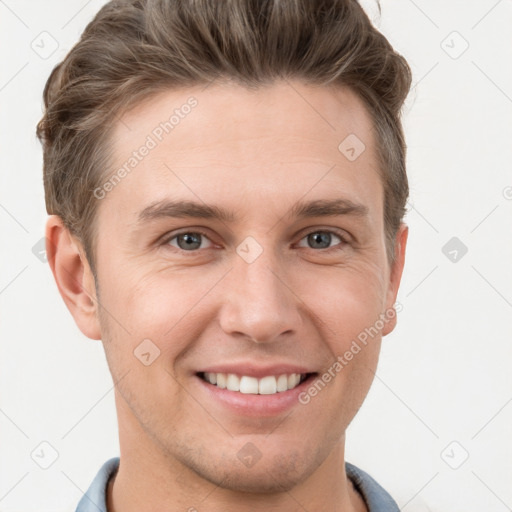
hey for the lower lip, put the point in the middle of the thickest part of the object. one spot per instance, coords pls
(255, 405)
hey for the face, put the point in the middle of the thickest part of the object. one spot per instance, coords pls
(245, 248)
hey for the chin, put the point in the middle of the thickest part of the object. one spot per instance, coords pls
(275, 474)
(264, 480)
(259, 484)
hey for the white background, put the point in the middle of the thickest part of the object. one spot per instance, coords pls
(445, 372)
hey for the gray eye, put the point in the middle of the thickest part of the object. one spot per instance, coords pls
(188, 241)
(320, 239)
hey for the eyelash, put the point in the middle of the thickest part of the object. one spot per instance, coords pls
(342, 244)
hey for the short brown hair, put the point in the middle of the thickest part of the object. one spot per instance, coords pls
(135, 48)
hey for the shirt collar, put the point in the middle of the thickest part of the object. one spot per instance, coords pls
(375, 497)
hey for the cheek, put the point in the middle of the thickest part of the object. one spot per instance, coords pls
(152, 302)
(168, 308)
(345, 302)
(140, 347)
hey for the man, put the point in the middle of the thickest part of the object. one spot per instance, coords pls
(226, 186)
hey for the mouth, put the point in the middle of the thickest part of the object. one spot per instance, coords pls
(248, 385)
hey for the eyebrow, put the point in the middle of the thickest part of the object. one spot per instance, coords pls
(192, 209)
(328, 208)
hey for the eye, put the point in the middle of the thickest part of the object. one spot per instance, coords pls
(188, 240)
(322, 239)
(191, 241)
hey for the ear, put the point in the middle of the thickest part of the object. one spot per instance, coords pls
(73, 276)
(396, 275)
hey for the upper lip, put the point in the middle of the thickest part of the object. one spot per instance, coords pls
(257, 371)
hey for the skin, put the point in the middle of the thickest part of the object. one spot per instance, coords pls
(255, 153)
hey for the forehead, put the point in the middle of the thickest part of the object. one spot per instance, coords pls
(211, 142)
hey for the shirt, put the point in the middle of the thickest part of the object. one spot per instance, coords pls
(375, 497)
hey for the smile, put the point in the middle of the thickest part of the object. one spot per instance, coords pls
(267, 385)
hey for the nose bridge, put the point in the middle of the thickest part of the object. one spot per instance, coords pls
(257, 303)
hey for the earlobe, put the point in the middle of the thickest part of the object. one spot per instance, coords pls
(396, 276)
(73, 276)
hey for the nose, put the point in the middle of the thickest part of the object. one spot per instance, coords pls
(258, 302)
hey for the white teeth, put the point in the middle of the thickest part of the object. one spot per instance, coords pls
(282, 383)
(233, 382)
(221, 380)
(293, 380)
(249, 385)
(268, 385)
